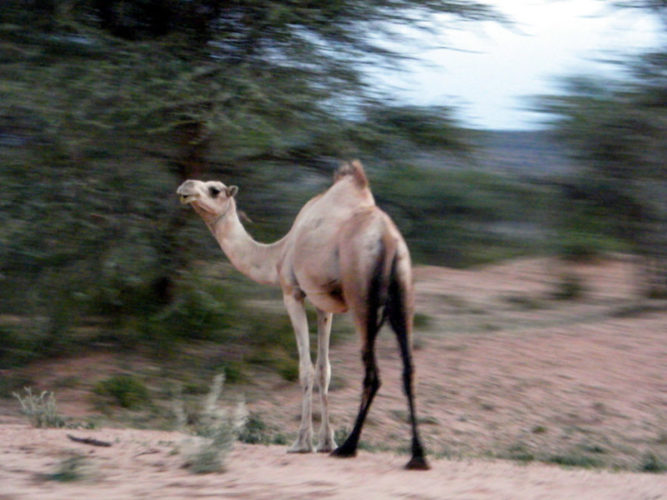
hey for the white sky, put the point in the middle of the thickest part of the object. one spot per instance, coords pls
(494, 68)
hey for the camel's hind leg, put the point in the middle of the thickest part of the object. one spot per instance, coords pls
(370, 386)
(399, 311)
(365, 304)
(325, 441)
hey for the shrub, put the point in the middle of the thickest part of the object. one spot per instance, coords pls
(41, 410)
(652, 463)
(74, 468)
(576, 459)
(213, 433)
(256, 431)
(569, 287)
(125, 390)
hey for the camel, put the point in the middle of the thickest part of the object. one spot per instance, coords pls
(343, 254)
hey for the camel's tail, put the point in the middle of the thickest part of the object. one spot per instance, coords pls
(395, 296)
(388, 296)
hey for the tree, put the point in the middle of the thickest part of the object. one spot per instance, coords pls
(106, 105)
(616, 130)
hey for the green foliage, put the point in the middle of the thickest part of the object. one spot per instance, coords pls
(12, 382)
(16, 348)
(199, 311)
(257, 431)
(615, 131)
(274, 345)
(41, 410)
(125, 390)
(422, 320)
(568, 287)
(105, 107)
(462, 217)
(653, 463)
(575, 459)
(520, 452)
(74, 468)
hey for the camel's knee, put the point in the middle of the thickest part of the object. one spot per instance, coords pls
(306, 376)
(371, 385)
(372, 380)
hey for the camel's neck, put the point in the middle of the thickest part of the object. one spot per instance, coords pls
(257, 261)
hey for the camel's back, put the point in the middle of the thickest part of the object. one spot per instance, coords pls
(312, 256)
(322, 217)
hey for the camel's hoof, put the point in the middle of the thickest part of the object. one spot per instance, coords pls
(342, 453)
(417, 463)
(326, 447)
(300, 448)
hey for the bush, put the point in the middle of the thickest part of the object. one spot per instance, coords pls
(124, 390)
(74, 468)
(460, 217)
(255, 431)
(213, 433)
(575, 459)
(569, 287)
(653, 463)
(41, 410)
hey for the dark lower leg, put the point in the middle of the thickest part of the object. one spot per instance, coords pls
(417, 461)
(371, 386)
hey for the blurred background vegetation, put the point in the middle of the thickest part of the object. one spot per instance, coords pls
(106, 106)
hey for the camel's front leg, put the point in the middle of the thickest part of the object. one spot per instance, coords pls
(297, 313)
(325, 441)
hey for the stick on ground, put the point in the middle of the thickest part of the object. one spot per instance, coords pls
(90, 441)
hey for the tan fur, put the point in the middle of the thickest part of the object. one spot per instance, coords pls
(355, 169)
(336, 243)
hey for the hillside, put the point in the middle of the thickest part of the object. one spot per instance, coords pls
(509, 373)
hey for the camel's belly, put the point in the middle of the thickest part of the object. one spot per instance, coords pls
(327, 301)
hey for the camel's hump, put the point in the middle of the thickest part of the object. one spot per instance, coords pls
(352, 168)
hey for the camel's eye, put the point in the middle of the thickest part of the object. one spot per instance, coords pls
(214, 191)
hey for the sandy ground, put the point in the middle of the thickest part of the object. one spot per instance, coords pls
(505, 374)
(140, 464)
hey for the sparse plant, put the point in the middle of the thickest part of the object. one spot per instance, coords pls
(653, 463)
(575, 459)
(341, 434)
(73, 468)
(126, 390)
(520, 452)
(569, 287)
(422, 320)
(255, 431)
(41, 410)
(213, 433)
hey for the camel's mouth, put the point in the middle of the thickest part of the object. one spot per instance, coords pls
(187, 198)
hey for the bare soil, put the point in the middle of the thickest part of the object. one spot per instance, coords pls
(520, 395)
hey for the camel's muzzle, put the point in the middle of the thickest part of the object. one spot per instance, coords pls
(187, 198)
(186, 194)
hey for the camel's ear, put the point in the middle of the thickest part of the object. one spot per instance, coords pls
(232, 190)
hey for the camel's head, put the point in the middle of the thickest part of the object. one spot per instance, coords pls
(209, 199)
